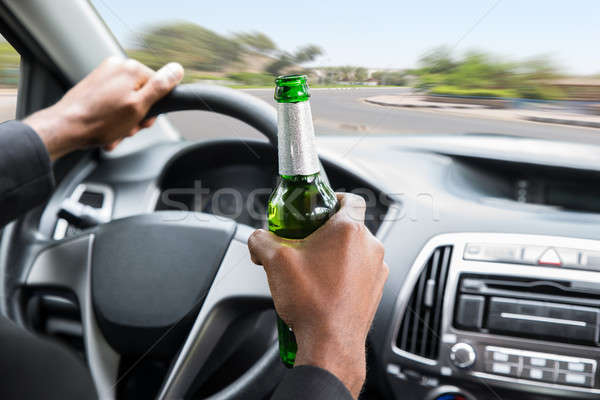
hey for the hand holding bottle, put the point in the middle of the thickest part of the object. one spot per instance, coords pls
(327, 288)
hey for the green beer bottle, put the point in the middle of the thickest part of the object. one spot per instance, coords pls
(302, 201)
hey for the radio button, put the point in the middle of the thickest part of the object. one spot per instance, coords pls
(576, 366)
(567, 378)
(538, 374)
(569, 257)
(503, 369)
(492, 252)
(591, 260)
(538, 362)
(550, 257)
(531, 254)
(502, 356)
(470, 311)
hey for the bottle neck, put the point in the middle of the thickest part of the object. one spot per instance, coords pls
(301, 179)
(296, 140)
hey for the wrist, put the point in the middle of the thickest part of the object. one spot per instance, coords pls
(344, 360)
(57, 129)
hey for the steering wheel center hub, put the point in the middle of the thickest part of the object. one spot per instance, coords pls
(151, 273)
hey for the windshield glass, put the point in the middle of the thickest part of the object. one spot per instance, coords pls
(385, 67)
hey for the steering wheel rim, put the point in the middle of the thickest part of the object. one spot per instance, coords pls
(222, 100)
(68, 264)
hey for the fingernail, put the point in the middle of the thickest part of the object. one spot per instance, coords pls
(173, 71)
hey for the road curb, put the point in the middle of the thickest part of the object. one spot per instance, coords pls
(516, 117)
(387, 104)
(574, 122)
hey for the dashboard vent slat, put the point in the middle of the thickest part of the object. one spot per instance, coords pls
(92, 199)
(419, 331)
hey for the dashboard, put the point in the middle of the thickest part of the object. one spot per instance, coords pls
(234, 180)
(494, 285)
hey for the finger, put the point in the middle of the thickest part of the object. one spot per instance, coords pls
(352, 206)
(133, 131)
(113, 145)
(161, 83)
(263, 246)
(147, 123)
(139, 71)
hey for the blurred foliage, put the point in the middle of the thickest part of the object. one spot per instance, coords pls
(256, 41)
(479, 72)
(361, 74)
(9, 65)
(286, 61)
(200, 49)
(437, 61)
(189, 44)
(349, 74)
(390, 78)
(252, 78)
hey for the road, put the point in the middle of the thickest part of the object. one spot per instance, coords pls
(343, 112)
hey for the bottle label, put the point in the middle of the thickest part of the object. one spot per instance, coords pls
(296, 137)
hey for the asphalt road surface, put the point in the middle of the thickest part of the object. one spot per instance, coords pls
(343, 112)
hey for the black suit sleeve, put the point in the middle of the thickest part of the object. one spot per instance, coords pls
(26, 178)
(32, 367)
(36, 368)
(311, 383)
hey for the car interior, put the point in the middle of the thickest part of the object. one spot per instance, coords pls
(491, 240)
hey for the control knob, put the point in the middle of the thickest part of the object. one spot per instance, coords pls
(462, 355)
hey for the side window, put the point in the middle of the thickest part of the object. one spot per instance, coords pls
(9, 79)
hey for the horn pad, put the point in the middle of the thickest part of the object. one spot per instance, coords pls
(150, 274)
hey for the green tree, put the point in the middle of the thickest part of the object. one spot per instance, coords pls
(302, 55)
(482, 74)
(307, 53)
(346, 73)
(285, 60)
(540, 67)
(256, 41)
(191, 45)
(361, 74)
(437, 60)
(393, 78)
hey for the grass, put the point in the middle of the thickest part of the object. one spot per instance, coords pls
(525, 91)
(481, 92)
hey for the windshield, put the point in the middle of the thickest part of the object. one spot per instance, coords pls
(385, 67)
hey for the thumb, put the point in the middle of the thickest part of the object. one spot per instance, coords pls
(161, 83)
(263, 246)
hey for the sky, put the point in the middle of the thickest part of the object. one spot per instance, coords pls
(387, 34)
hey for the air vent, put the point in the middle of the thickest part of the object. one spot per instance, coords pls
(98, 197)
(92, 199)
(420, 328)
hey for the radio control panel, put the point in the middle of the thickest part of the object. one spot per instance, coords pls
(543, 367)
(520, 312)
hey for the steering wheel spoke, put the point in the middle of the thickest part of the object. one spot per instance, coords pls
(237, 279)
(67, 265)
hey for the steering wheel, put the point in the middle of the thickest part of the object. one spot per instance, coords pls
(200, 263)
